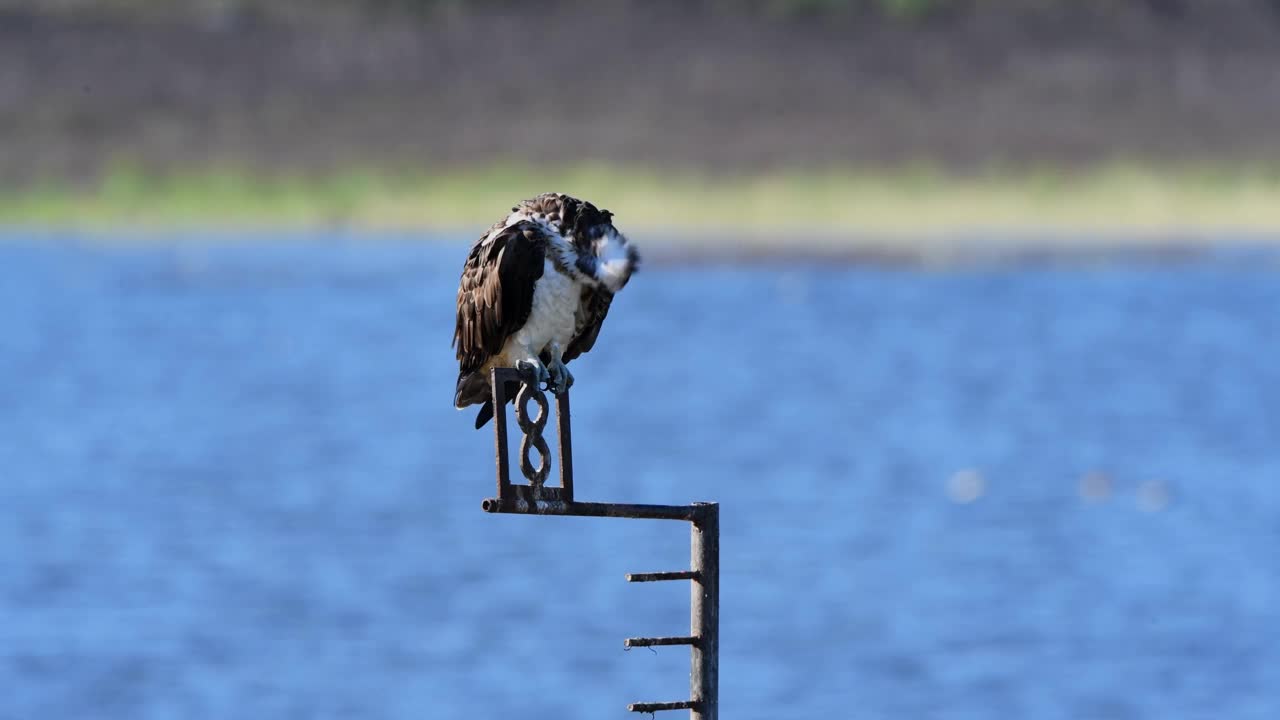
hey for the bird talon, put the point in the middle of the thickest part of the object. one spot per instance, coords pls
(532, 373)
(561, 378)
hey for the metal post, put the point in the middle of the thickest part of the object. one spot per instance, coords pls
(566, 447)
(704, 613)
(538, 499)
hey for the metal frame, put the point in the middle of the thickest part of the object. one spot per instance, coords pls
(536, 498)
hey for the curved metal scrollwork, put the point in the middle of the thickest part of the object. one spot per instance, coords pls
(532, 429)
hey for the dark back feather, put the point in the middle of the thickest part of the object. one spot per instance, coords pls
(495, 293)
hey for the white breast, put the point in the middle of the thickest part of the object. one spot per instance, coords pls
(551, 319)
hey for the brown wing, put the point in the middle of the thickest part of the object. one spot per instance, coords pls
(591, 313)
(495, 294)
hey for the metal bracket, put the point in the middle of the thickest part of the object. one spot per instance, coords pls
(536, 498)
(510, 495)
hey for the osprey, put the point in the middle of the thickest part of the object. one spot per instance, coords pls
(534, 291)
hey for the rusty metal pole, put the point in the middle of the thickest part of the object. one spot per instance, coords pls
(704, 618)
(538, 499)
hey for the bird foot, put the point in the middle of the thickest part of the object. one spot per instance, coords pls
(561, 378)
(533, 373)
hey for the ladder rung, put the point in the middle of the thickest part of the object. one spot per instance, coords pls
(656, 576)
(658, 707)
(651, 642)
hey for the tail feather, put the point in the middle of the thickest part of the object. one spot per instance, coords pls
(485, 414)
(473, 389)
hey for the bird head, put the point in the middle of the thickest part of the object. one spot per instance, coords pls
(616, 258)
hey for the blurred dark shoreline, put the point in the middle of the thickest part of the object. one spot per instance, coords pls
(654, 85)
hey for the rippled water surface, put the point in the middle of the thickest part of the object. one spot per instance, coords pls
(233, 486)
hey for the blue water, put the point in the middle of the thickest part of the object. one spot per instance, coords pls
(233, 487)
